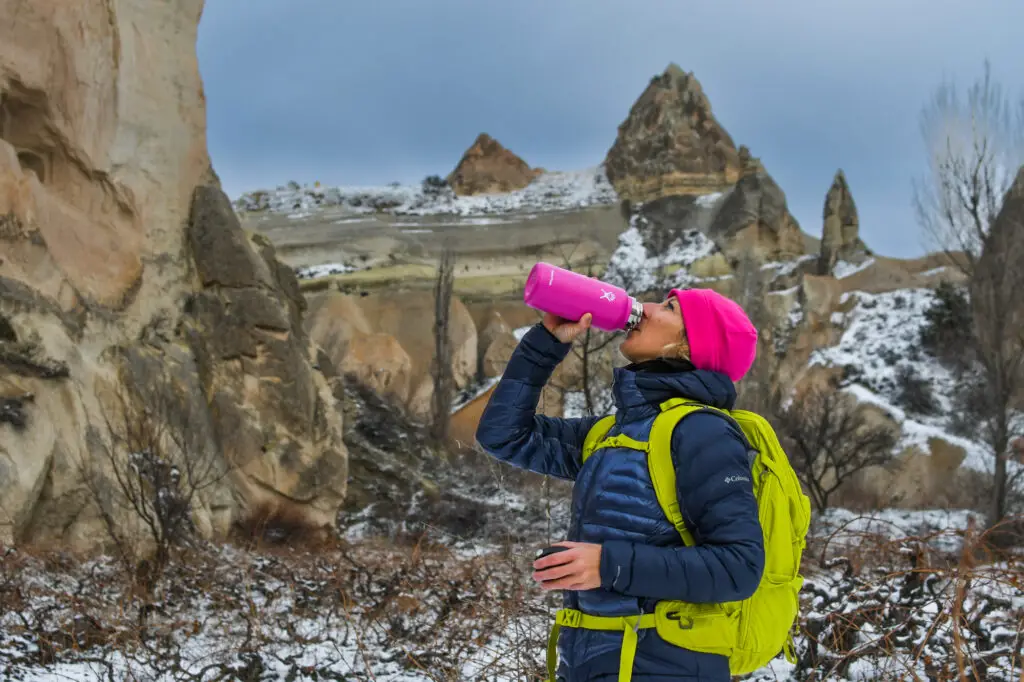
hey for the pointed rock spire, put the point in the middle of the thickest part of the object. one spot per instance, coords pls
(671, 144)
(840, 238)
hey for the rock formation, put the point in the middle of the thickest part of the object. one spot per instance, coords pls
(840, 238)
(488, 168)
(755, 217)
(137, 319)
(671, 144)
(387, 342)
(496, 344)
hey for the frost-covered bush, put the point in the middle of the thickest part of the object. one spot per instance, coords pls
(435, 186)
(914, 393)
(948, 327)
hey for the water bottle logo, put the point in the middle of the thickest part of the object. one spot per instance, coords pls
(607, 295)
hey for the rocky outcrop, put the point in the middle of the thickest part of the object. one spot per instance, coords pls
(388, 342)
(671, 144)
(754, 218)
(840, 237)
(496, 343)
(139, 325)
(489, 168)
(274, 416)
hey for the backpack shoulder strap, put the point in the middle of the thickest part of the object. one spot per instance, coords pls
(597, 434)
(659, 461)
(660, 465)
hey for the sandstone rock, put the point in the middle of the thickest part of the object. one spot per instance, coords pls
(334, 319)
(513, 311)
(275, 419)
(222, 255)
(497, 355)
(917, 479)
(347, 327)
(462, 429)
(755, 218)
(115, 318)
(495, 345)
(820, 297)
(380, 362)
(671, 144)
(409, 317)
(841, 232)
(488, 168)
(493, 327)
(714, 265)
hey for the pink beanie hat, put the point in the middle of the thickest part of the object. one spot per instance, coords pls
(722, 338)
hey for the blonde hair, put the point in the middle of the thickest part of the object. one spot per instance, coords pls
(680, 350)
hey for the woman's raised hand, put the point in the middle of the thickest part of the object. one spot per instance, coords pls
(565, 330)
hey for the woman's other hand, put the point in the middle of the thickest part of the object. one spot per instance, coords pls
(578, 568)
(565, 330)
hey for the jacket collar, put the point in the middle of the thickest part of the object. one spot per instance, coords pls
(639, 389)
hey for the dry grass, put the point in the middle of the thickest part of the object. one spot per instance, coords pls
(909, 609)
(873, 608)
(348, 612)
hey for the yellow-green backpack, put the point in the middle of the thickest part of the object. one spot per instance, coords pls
(750, 632)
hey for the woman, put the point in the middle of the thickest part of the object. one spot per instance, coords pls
(624, 553)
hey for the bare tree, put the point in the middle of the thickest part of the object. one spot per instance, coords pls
(150, 472)
(592, 350)
(444, 383)
(830, 440)
(972, 205)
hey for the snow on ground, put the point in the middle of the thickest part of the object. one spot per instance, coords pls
(709, 200)
(520, 332)
(323, 270)
(784, 268)
(471, 393)
(634, 269)
(844, 269)
(882, 337)
(392, 615)
(942, 526)
(574, 403)
(553, 191)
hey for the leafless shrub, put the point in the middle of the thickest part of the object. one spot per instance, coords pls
(147, 476)
(971, 204)
(910, 608)
(351, 612)
(829, 440)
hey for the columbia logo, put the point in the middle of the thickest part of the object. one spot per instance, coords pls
(736, 479)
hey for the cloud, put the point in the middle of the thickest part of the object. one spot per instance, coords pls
(371, 92)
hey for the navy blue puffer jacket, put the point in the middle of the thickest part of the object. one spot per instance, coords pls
(643, 559)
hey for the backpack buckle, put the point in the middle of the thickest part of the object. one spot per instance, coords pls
(680, 619)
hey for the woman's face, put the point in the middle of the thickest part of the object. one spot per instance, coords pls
(661, 326)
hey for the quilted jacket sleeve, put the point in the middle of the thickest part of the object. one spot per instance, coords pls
(512, 431)
(717, 500)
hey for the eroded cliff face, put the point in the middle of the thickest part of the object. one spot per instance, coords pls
(133, 308)
(671, 144)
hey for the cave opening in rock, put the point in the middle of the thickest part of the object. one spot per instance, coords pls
(22, 125)
(7, 332)
(30, 161)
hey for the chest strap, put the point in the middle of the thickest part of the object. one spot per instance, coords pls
(627, 625)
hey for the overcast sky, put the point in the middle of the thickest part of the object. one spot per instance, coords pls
(376, 91)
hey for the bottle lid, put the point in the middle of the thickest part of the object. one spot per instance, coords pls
(636, 313)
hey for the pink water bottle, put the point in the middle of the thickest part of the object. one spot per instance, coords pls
(570, 295)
